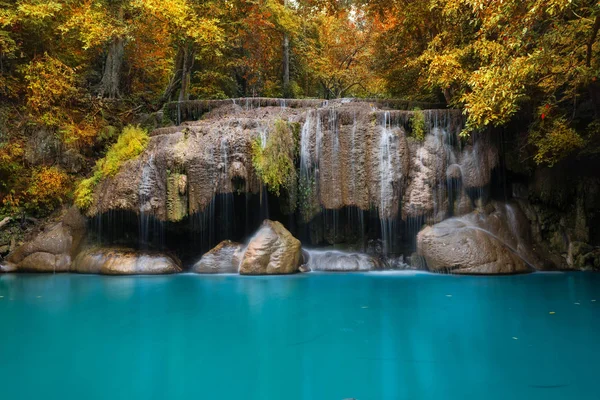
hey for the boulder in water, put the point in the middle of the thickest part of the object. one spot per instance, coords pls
(51, 249)
(272, 250)
(339, 261)
(478, 243)
(225, 258)
(122, 261)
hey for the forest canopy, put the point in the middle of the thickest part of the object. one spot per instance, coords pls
(74, 73)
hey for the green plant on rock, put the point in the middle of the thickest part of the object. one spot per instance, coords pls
(309, 205)
(131, 143)
(417, 125)
(274, 160)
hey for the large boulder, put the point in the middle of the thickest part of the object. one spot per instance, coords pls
(53, 248)
(272, 250)
(478, 243)
(123, 261)
(225, 258)
(339, 261)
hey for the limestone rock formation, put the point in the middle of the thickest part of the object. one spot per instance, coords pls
(225, 258)
(351, 155)
(493, 241)
(122, 261)
(272, 250)
(338, 261)
(52, 249)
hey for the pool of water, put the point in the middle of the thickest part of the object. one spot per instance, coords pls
(309, 336)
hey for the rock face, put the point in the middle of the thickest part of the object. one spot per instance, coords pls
(351, 155)
(225, 258)
(120, 261)
(492, 242)
(52, 249)
(272, 250)
(338, 261)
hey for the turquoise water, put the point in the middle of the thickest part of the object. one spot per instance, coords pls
(310, 336)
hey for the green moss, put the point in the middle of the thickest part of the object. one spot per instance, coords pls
(274, 160)
(131, 143)
(417, 125)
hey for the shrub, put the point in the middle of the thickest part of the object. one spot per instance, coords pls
(131, 143)
(417, 125)
(554, 140)
(48, 189)
(274, 160)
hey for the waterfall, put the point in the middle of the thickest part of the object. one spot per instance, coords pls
(305, 159)
(145, 192)
(386, 174)
(226, 203)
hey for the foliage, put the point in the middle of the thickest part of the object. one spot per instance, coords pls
(274, 160)
(48, 189)
(497, 59)
(131, 143)
(554, 139)
(50, 90)
(417, 125)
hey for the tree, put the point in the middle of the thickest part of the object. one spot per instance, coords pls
(192, 34)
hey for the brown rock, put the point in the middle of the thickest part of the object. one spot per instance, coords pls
(52, 249)
(45, 262)
(7, 267)
(272, 250)
(121, 261)
(225, 258)
(476, 244)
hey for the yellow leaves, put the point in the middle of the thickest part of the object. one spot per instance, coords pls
(131, 143)
(51, 86)
(37, 10)
(553, 138)
(95, 24)
(48, 188)
(183, 20)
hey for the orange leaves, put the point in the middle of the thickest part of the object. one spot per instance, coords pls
(48, 188)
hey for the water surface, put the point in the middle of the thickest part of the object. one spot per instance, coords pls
(310, 336)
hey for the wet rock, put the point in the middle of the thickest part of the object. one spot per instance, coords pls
(6, 266)
(304, 268)
(582, 256)
(479, 243)
(225, 258)
(339, 261)
(123, 261)
(52, 249)
(272, 250)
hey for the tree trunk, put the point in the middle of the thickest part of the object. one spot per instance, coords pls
(186, 72)
(286, 65)
(109, 86)
(286, 61)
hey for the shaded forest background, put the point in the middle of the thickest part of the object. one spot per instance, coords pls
(74, 74)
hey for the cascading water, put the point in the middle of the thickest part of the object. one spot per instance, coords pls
(363, 175)
(146, 218)
(386, 174)
(226, 198)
